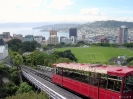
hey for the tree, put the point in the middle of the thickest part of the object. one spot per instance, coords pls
(17, 61)
(24, 87)
(44, 47)
(8, 89)
(130, 63)
(14, 44)
(61, 60)
(68, 54)
(30, 95)
(65, 54)
(34, 57)
(14, 76)
(27, 47)
(129, 59)
(40, 58)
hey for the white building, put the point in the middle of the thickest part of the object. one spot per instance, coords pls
(71, 40)
(38, 38)
(3, 49)
(67, 40)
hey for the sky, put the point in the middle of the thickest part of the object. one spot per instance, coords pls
(65, 10)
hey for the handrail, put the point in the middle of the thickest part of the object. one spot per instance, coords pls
(49, 91)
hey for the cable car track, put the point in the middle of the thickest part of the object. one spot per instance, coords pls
(38, 73)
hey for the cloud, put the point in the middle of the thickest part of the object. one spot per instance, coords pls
(92, 11)
(60, 4)
(42, 11)
(22, 10)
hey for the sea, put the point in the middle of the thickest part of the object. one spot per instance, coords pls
(30, 31)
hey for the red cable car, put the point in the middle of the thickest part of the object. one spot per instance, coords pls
(95, 81)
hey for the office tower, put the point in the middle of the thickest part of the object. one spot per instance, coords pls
(6, 35)
(72, 32)
(53, 39)
(61, 38)
(123, 35)
(53, 32)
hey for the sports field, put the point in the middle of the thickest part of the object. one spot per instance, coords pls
(97, 54)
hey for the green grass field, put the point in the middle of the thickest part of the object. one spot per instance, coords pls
(97, 54)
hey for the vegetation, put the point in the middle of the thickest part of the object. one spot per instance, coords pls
(8, 89)
(97, 54)
(107, 24)
(30, 95)
(17, 45)
(24, 88)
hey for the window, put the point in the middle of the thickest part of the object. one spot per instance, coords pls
(68, 73)
(128, 84)
(84, 77)
(103, 81)
(77, 75)
(114, 83)
(96, 79)
(59, 71)
(91, 75)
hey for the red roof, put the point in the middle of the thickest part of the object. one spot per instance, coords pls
(114, 70)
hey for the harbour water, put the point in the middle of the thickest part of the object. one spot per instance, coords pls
(30, 31)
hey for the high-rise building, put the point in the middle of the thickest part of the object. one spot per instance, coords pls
(53, 39)
(72, 32)
(53, 32)
(61, 38)
(123, 35)
(6, 35)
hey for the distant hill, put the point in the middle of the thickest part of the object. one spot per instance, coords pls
(97, 24)
(107, 24)
(59, 27)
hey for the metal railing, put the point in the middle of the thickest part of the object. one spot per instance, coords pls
(43, 87)
(46, 68)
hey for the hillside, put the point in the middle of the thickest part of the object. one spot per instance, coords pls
(109, 24)
(97, 24)
(59, 27)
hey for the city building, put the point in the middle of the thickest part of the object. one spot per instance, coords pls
(123, 35)
(72, 32)
(2, 36)
(3, 49)
(6, 35)
(38, 38)
(53, 39)
(67, 40)
(71, 40)
(53, 32)
(28, 38)
(18, 36)
(61, 38)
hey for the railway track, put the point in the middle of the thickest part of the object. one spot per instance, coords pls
(47, 76)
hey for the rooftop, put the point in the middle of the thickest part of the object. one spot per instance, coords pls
(117, 70)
